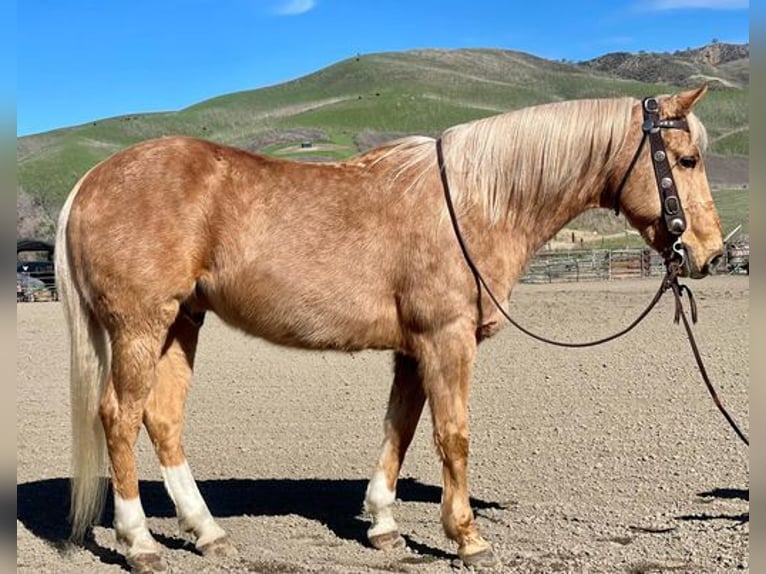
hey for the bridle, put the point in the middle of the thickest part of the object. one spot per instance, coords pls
(675, 223)
(672, 211)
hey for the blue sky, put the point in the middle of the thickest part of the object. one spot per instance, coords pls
(83, 60)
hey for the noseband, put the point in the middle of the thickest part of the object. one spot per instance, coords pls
(672, 212)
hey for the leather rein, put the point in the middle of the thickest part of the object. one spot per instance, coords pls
(675, 223)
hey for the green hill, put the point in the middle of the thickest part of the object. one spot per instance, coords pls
(345, 108)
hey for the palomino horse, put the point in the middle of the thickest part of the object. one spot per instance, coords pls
(351, 255)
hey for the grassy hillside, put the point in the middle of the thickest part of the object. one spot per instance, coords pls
(720, 64)
(422, 91)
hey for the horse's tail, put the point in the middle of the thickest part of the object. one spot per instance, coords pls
(88, 372)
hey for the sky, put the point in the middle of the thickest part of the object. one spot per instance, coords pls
(79, 61)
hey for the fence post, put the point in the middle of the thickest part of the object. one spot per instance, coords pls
(609, 265)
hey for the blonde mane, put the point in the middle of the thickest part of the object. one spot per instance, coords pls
(513, 161)
(537, 153)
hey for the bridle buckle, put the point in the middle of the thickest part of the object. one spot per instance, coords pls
(651, 105)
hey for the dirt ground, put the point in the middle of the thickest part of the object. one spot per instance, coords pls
(604, 460)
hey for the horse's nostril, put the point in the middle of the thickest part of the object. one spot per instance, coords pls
(712, 264)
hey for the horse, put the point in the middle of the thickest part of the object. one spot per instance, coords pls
(348, 255)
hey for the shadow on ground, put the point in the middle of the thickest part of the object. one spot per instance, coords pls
(42, 506)
(727, 493)
(721, 494)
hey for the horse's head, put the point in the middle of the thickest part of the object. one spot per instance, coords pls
(666, 195)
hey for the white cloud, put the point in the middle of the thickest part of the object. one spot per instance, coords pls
(295, 7)
(703, 4)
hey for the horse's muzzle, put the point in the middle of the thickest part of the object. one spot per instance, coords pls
(693, 271)
(711, 266)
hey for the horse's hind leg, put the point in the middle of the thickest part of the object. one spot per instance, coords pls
(405, 405)
(136, 349)
(163, 418)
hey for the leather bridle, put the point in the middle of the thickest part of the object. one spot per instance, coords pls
(672, 211)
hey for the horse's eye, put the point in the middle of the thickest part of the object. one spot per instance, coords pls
(688, 161)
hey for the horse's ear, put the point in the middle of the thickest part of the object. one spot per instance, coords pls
(681, 104)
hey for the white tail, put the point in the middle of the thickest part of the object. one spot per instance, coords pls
(89, 369)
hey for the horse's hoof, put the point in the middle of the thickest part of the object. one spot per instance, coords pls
(481, 560)
(218, 549)
(146, 563)
(388, 541)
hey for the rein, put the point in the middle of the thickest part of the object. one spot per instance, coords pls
(678, 292)
(673, 216)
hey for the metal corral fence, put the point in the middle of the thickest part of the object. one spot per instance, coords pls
(607, 264)
(35, 281)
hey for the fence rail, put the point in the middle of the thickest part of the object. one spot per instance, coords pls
(607, 264)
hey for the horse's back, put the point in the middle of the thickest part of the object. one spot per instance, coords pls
(301, 254)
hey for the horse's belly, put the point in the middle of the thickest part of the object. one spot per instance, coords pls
(313, 319)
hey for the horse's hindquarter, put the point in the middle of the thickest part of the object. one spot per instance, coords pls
(136, 229)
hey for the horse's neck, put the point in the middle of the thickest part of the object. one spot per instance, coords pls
(530, 198)
(526, 231)
(540, 223)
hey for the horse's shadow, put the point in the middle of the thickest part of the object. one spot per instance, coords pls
(721, 494)
(42, 506)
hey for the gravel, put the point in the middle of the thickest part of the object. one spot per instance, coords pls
(610, 459)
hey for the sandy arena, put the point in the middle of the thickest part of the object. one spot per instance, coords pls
(604, 460)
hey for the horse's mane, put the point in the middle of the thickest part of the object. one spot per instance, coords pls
(526, 157)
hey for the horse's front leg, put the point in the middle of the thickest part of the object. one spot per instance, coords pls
(447, 365)
(405, 404)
